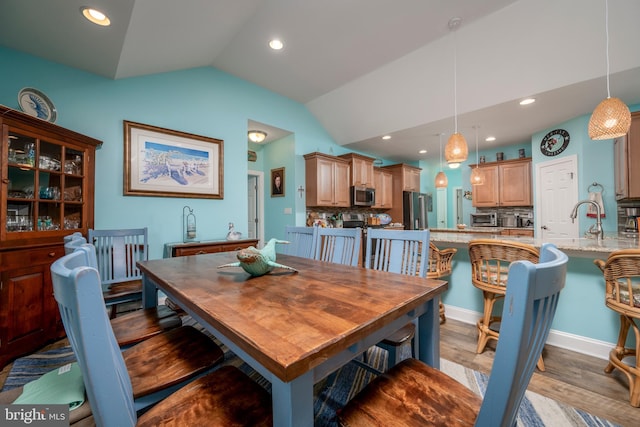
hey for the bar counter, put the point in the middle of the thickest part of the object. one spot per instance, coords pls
(582, 323)
(580, 247)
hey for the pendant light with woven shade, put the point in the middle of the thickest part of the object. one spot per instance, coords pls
(456, 150)
(477, 177)
(611, 118)
(441, 177)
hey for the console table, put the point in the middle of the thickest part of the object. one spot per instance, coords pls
(177, 249)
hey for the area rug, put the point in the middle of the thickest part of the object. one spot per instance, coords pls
(333, 392)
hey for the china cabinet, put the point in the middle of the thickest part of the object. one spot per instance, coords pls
(361, 170)
(327, 180)
(506, 183)
(47, 193)
(626, 160)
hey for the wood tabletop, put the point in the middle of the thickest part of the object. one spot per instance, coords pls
(290, 322)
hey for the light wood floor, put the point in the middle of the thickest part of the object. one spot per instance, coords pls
(572, 378)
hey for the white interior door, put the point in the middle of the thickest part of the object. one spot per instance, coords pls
(557, 193)
(441, 208)
(255, 216)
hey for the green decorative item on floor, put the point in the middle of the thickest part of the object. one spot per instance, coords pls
(258, 262)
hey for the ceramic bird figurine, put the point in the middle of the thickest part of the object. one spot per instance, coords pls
(258, 262)
(233, 234)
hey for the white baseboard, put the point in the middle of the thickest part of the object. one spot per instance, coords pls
(577, 343)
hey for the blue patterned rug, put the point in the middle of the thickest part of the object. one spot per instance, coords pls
(332, 393)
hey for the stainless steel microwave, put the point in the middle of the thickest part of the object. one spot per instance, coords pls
(484, 219)
(363, 196)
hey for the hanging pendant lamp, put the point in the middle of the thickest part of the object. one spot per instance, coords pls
(477, 177)
(441, 178)
(612, 117)
(456, 150)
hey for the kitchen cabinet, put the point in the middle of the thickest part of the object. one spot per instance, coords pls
(327, 180)
(47, 193)
(517, 232)
(361, 170)
(384, 188)
(207, 247)
(626, 160)
(506, 183)
(404, 178)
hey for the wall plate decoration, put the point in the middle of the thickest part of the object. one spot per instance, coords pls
(555, 142)
(37, 104)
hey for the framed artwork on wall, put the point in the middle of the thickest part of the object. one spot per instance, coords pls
(168, 163)
(277, 182)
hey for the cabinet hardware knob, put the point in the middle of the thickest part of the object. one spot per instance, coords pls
(200, 252)
(52, 254)
(6, 181)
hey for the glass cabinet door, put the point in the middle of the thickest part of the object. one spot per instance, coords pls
(44, 185)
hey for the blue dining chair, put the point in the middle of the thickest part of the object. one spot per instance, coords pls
(117, 252)
(402, 252)
(302, 241)
(338, 245)
(111, 377)
(413, 393)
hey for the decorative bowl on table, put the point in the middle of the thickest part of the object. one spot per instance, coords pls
(461, 226)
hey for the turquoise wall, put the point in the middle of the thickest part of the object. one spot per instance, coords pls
(202, 101)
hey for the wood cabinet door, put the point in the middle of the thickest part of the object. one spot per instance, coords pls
(633, 158)
(362, 173)
(486, 195)
(620, 167)
(411, 179)
(515, 184)
(384, 189)
(325, 182)
(341, 184)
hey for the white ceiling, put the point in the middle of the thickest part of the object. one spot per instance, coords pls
(364, 68)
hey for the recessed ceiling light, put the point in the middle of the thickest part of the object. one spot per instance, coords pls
(490, 138)
(422, 151)
(95, 16)
(276, 44)
(527, 101)
(386, 137)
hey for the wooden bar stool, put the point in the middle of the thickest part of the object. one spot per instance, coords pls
(440, 261)
(490, 260)
(622, 295)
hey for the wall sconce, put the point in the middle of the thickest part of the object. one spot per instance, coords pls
(257, 136)
(188, 225)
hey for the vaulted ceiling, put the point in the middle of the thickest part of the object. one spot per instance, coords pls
(364, 68)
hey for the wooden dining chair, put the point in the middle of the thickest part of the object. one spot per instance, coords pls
(621, 273)
(302, 241)
(338, 245)
(415, 394)
(117, 252)
(490, 260)
(402, 252)
(440, 265)
(114, 379)
(134, 326)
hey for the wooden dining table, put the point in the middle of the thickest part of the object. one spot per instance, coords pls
(295, 328)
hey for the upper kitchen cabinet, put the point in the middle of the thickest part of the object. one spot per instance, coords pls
(626, 154)
(384, 188)
(404, 178)
(361, 170)
(506, 183)
(327, 179)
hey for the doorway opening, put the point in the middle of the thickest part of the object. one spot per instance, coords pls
(255, 203)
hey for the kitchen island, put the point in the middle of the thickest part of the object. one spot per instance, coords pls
(582, 322)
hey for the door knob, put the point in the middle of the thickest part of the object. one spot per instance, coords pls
(544, 227)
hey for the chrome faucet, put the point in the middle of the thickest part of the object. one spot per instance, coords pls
(597, 230)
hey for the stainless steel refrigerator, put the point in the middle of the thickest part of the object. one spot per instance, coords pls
(414, 210)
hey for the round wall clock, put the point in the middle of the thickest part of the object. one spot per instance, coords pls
(37, 104)
(555, 142)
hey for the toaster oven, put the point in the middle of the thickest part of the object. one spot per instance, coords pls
(484, 219)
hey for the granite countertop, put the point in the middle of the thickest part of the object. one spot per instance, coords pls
(580, 247)
(488, 230)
